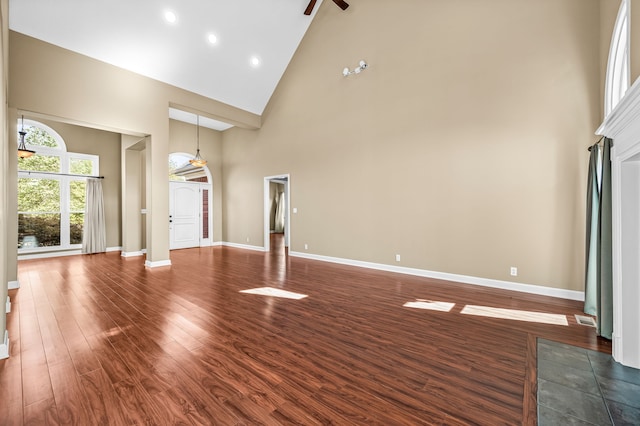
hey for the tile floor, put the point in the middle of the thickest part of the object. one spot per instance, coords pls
(582, 387)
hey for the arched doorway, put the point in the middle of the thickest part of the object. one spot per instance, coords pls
(190, 203)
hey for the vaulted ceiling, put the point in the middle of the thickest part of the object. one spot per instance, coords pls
(233, 51)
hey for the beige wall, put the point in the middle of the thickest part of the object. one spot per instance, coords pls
(4, 162)
(58, 83)
(132, 193)
(462, 147)
(182, 139)
(635, 36)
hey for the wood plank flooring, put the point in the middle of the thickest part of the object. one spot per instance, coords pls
(99, 339)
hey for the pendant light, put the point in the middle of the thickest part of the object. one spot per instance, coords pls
(23, 152)
(198, 161)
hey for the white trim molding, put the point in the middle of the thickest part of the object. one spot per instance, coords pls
(466, 279)
(157, 263)
(243, 246)
(4, 346)
(47, 254)
(623, 126)
(53, 253)
(8, 305)
(131, 253)
(13, 285)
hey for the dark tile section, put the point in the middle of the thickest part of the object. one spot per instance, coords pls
(573, 378)
(564, 354)
(620, 391)
(623, 414)
(550, 417)
(607, 367)
(582, 387)
(581, 405)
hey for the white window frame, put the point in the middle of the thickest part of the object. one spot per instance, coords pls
(618, 69)
(63, 180)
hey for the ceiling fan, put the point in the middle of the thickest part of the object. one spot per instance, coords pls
(341, 4)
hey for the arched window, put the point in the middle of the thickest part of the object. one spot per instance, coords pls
(51, 191)
(182, 171)
(618, 80)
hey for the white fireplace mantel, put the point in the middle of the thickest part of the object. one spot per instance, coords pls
(623, 126)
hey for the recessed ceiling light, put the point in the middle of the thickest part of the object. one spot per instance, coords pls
(170, 16)
(254, 61)
(212, 38)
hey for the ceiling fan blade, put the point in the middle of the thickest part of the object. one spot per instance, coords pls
(309, 8)
(341, 4)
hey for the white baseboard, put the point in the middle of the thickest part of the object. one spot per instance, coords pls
(243, 246)
(131, 253)
(44, 255)
(485, 282)
(4, 346)
(13, 285)
(156, 264)
(72, 252)
(8, 305)
(217, 243)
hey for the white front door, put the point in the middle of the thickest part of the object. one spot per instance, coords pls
(184, 215)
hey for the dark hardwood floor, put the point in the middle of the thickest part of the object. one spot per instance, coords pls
(99, 339)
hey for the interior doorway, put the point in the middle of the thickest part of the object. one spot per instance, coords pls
(190, 203)
(184, 215)
(277, 197)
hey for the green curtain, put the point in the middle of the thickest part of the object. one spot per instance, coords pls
(593, 210)
(605, 281)
(598, 262)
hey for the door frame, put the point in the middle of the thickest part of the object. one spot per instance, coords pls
(286, 180)
(202, 242)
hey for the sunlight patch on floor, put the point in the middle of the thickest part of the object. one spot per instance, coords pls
(274, 292)
(430, 305)
(514, 314)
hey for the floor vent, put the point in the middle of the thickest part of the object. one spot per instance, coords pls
(584, 320)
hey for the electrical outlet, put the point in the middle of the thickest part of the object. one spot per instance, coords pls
(306, 246)
(248, 239)
(397, 258)
(514, 271)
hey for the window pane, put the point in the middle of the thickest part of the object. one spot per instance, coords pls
(77, 193)
(40, 163)
(38, 195)
(38, 230)
(205, 213)
(177, 162)
(38, 137)
(76, 221)
(80, 166)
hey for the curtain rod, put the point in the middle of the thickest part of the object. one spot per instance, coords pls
(599, 140)
(60, 174)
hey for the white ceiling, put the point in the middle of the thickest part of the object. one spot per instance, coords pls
(134, 35)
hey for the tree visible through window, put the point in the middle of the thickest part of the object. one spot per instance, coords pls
(51, 191)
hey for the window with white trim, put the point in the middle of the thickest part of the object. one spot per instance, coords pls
(617, 81)
(51, 191)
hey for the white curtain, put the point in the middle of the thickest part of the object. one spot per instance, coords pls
(94, 238)
(279, 219)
